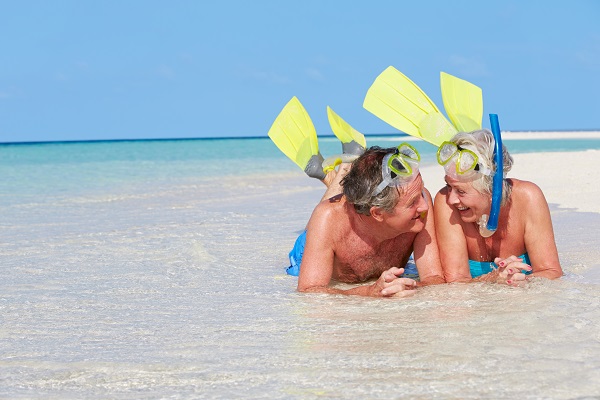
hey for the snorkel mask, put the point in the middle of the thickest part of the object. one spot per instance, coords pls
(461, 164)
(399, 168)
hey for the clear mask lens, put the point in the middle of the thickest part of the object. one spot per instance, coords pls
(466, 162)
(399, 168)
(407, 150)
(458, 163)
(445, 152)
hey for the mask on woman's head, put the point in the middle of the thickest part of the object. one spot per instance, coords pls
(461, 164)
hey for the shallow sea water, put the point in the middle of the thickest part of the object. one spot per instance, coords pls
(173, 285)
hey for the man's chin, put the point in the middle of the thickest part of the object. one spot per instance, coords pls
(418, 224)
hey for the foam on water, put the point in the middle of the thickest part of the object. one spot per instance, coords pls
(174, 286)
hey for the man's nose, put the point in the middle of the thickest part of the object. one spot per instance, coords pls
(423, 205)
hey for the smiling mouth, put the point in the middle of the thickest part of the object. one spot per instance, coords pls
(462, 208)
(421, 215)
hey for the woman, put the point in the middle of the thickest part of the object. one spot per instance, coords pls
(523, 243)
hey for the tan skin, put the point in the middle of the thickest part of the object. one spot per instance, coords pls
(524, 225)
(345, 246)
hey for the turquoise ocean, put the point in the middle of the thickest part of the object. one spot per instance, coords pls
(156, 269)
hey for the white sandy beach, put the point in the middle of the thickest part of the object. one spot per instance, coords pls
(568, 179)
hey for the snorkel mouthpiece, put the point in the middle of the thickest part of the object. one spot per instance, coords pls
(487, 226)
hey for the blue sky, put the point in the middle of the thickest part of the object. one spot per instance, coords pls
(129, 69)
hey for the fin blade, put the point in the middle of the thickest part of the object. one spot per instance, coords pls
(463, 102)
(343, 131)
(294, 133)
(397, 100)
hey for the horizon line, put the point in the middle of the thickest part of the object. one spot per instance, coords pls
(401, 134)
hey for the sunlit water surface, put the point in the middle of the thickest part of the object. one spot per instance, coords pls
(152, 278)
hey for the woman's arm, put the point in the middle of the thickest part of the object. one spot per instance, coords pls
(539, 234)
(451, 240)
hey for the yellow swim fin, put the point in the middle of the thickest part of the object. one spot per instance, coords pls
(463, 102)
(294, 134)
(353, 142)
(397, 100)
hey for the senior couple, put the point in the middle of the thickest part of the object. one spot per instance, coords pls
(376, 212)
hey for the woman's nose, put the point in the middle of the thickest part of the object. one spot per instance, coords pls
(452, 197)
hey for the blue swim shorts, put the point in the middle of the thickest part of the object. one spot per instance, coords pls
(410, 270)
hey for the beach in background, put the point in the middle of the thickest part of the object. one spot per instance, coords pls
(156, 269)
(569, 179)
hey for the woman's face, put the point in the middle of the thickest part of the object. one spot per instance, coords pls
(469, 203)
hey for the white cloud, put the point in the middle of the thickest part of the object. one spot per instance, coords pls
(589, 55)
(11, 92)
(469, 66)
(82, 65)
(62, 77)
(315, 74)
(264, 76)
(166, 72)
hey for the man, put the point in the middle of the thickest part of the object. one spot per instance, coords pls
(371, 228)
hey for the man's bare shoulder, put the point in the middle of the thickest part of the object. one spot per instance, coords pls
(332, 205)
(332, 213)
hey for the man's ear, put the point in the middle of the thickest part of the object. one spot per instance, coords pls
(377, 213)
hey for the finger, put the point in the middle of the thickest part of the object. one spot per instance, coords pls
(515, 267)
(526, 267)
(504, 262)
(408, 282)
(393, 273)
(518, 279)
(405, 293)
(398, 285)
(509, 272)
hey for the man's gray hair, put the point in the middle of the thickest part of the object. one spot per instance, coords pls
(364, 177)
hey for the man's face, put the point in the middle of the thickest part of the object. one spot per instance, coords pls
(409, 214)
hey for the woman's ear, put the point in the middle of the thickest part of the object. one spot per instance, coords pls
(377, 213)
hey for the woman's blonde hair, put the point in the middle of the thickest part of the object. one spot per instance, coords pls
(482, 143)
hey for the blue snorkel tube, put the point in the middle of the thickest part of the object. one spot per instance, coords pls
(487, 227)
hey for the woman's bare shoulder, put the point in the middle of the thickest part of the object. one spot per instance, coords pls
(527, 196)
(526, 190)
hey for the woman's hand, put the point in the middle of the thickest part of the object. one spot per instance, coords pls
(510, 271)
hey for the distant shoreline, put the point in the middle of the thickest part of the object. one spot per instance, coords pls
(573, 187)
(509, 135)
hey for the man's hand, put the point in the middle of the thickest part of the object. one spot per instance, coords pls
(390, 284)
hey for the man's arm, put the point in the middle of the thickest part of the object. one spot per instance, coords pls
(316, 270)
(389, 284)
